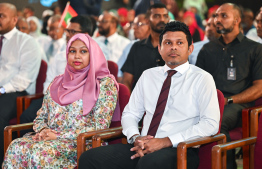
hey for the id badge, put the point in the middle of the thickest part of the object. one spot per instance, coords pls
(231, 73)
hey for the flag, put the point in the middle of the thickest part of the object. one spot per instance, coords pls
(68, 13)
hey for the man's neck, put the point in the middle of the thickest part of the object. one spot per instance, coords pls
(154, 38)
(229, 37)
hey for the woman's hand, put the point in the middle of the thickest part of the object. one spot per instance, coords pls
(45, 134)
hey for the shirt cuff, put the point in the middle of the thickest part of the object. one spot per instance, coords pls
(130, 132)
(9, 88)
(176, 139)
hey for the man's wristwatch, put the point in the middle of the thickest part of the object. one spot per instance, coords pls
(229, 100)
(2, 90)
(133, 139)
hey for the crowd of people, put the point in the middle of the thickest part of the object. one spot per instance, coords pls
(171, 61)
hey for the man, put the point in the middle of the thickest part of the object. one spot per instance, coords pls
(247, 20)
(22, 25)
(28, 11)
(165, 94)
(78, 24)
(54, 43)
(144, 54)
(255, 34)
(107, 28)
(141, 31)
(19, 66)
(235, 63)
(211, 34)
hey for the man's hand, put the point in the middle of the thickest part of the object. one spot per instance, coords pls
(152, 145)
(139, 145)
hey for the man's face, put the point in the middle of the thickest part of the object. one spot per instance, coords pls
(174, 48)
(259, 24)
(141, 27)
(104, 24)
(225, 19)
(72, 29)
(247, 20)
(8, 19)
(158, 19)
(210, 30)
(54, 31)
(22, 26)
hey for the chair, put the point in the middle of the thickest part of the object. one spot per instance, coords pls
(255, 143)
(20, 101)
(113, 68)
(124, 95)
(244, 131)
(204, 152)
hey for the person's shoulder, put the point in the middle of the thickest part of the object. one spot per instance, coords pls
(198, 71)
(200, 43)
(153, 70)
(107, 81)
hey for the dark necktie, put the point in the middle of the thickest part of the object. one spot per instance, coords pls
(161, 104)
(106, 41)
(1, 43)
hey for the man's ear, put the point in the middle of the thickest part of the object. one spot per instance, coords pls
(190, 49)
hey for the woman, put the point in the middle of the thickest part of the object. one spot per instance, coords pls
(35, 26)
(80, 100)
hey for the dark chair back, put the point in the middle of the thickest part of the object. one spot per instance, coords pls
(258, 146)
(41, 77)
(113, 68)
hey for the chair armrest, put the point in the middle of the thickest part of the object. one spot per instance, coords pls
(182, 147)
(81, 139)
(9, 129)
(217, 150)
(254, 120)
(97, 139)
(29, 98)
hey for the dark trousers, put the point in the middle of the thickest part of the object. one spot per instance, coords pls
(7, 112)
(117, 156)
(29, 114)
(232, 118)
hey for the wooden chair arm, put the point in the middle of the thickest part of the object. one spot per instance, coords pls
(29, 98)
(182, 147)
(217, 150)
(254, 121)
(97, 139)
(81, 139)
(9, 129)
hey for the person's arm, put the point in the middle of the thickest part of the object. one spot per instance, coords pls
(103, 111)
(200, 62)
(250, 94)
(128, 80)
(30, 59)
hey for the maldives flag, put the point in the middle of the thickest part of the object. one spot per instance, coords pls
(68, 13)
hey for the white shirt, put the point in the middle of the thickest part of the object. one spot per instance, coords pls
(252, 34)
(116, 45)
(192, 109)
(46, 41)
(197, 47)
(57, 66)
(19, 62)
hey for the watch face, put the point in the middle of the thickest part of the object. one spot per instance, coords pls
(2, 90)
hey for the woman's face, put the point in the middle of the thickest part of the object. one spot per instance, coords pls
(78, 55)
(33, 26)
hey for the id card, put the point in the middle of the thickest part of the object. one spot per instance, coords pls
(231, 73)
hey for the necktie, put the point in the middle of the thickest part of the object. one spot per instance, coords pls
(1, 43)
(50, 50)
(106, 41)
(161, 104)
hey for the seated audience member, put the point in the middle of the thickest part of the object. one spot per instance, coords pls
(180, 103)
(141, 31)
(35, 26)
(196, 32)
(234, 61)
(257, 35)
(78, 24)
(54, 43)
(80, 100)
(107, 27)
(22, 25)
(19, 66)
(144, 54)
(247, 20)
(28, 11)
(211, 34)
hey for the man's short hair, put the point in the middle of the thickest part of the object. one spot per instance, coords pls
(156, 5)
(85, 23)
(175, 26)
(30, 8)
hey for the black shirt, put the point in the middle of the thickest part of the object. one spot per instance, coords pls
(142, 56)
(215, 58)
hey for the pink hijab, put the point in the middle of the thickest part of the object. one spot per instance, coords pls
(82, 84)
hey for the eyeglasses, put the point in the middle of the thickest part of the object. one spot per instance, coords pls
(52, 28)
(139, 24)
(72, 31)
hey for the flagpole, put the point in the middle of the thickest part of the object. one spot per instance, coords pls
(64, 14)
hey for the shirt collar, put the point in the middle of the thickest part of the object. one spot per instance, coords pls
(113, 37)
(148, 42)
(239, 38)
(181, 68)
(10, 34)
